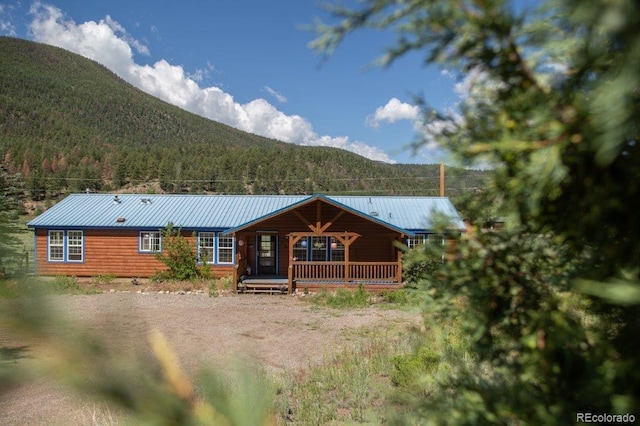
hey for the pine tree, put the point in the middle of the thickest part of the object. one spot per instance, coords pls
(553, 107)
(11, 198)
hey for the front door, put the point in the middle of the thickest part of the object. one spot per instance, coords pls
(267, 248)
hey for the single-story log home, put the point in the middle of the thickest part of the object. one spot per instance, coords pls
(298, 241)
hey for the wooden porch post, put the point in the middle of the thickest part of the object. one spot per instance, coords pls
(290, 266)
(235, 273)
(293, 239)
(346, 261)
(399, 277)
(346, 241)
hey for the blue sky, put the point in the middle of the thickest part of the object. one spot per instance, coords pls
(247, 63)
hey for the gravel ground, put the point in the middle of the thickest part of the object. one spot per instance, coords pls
(280, 333)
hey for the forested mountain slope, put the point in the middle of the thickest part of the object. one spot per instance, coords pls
(67, 124)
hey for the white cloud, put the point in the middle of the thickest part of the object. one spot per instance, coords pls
(447, 73)
(108, 43)
(201, 74)
(428, 131)
(392, 112)
(6, 27)
(276, 95)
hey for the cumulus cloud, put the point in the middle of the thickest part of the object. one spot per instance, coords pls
(428, 131)
(108, 43)
(393, 111)
(201, 74)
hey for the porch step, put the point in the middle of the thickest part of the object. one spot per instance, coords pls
(270, 288)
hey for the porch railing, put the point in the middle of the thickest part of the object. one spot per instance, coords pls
(378, 271)
(321, 271)
(387, 272)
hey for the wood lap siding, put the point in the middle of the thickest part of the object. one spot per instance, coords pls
(108, 253)
(115, 252)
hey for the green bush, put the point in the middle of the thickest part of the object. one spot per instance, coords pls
(205, 272)
(178, 254)
(420, 264)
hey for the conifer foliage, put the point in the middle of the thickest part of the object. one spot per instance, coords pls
(11, 198)
(550, 304)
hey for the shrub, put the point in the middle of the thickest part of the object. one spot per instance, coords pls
(205, 272)
(420, 264)
(178, 255)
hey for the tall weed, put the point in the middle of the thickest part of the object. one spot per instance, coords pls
(353, 386)
(343, 298)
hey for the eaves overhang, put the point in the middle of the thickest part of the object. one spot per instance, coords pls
(327, 200)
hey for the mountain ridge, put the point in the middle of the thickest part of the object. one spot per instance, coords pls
(69, 124)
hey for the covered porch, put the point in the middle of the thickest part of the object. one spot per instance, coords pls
(303, 274)
(306, 248)
(339, 273)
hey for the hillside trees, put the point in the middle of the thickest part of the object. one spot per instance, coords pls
(68, 123)
(11, 197)
(551, 304)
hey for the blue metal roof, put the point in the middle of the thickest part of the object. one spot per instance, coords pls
(410, 213)
(223, 212)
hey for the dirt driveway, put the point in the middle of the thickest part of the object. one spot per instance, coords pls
(281, 333)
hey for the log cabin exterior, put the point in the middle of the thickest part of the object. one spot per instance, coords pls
(294, 242)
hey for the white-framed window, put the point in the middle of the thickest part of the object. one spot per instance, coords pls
(416, 241)
(150, 242)
(65, 246)
(436, 239)
(225, 249)
(56, 246)
(75, 246)
(337, 250)
(318, 249)
(300, 250)
(206, 247)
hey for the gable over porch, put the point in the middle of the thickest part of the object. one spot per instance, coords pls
(319, 243)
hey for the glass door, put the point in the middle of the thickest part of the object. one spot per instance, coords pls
(267, 248)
